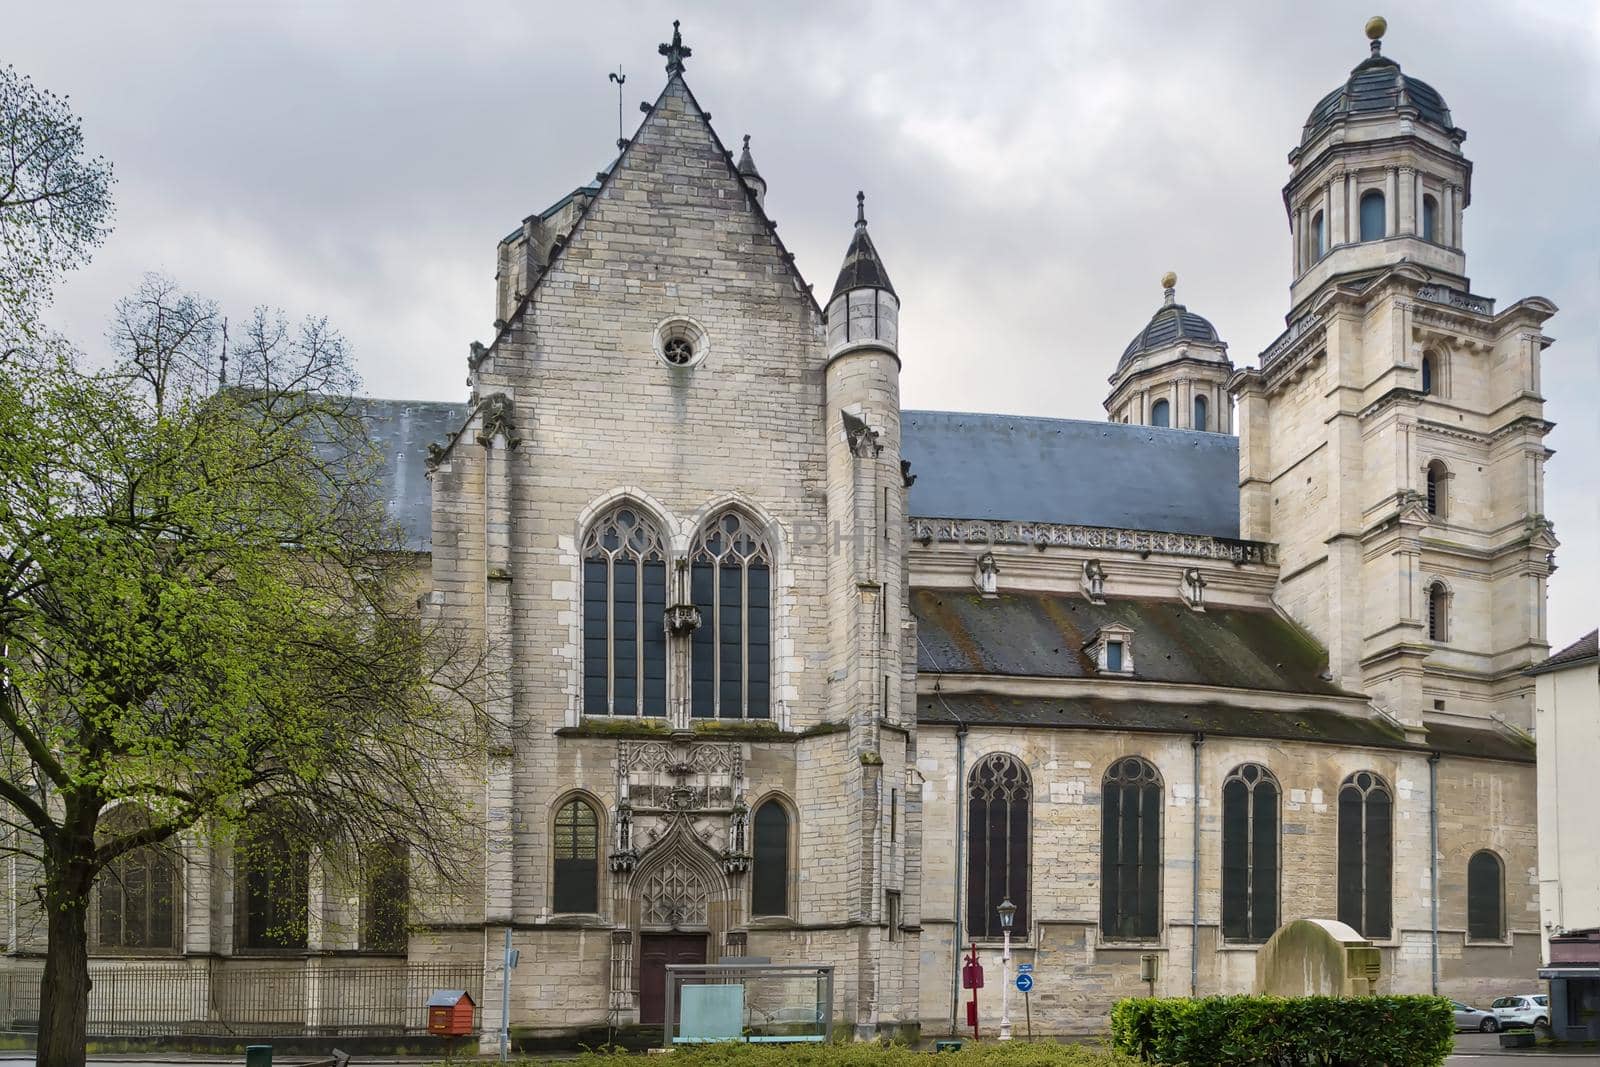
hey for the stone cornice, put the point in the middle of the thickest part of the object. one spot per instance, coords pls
(1135, 690)
(1105, 538)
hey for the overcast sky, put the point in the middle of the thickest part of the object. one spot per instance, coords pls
(1031, 169)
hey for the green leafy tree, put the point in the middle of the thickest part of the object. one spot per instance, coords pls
(206, 617)
(54, 202)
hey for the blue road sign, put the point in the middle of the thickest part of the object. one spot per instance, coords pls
(1024, 968)
(1024, 982)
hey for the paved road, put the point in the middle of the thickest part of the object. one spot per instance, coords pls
(1483, 1050)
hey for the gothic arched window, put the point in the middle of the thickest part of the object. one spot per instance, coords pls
(1430, 219)
(385, 899)
(1249, 854)
(1438, 477)
(272, 881)
(1374, 220)
(1200, 412)
(577, 858)
(136, 894)
(1319, 236)
(769, 874)
(999, 802)
(1485, 897)
(1438, 612)
(1130, 851)
(624, 602)
(731, 583)
(1366, 854)
(1160, 414)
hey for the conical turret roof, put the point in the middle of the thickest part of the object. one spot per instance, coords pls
(862, 268)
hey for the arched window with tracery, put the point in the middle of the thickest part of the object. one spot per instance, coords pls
(730, 576)
(136, 894)
(1249, 854)
(1201, 410)
(577, 858)
(624, 602)
(1366, 854)
(999, 808)
(385, 898)
(1160, 413)
(1438, 480)
(1486, 913)
(769, 868)
(1130, 851)
(1438, 612)
(272, 882)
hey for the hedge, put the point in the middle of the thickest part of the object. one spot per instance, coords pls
(1254, 1031)
(989, 1053)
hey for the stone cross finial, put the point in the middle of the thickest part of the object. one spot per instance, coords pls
(861, 208)
(676, 52)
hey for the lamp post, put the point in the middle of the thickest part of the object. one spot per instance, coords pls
(1008, 915)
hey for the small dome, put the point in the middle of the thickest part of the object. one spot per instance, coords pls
(1378, 87)
(1171, 324)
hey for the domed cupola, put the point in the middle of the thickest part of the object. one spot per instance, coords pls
(1379, 89)
(1174, 372)
(1379, 180)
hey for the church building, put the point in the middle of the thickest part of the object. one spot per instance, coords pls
(799, 674)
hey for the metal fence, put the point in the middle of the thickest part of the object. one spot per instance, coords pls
(302, 997)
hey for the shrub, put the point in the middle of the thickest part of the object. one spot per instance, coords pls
(986, 1054)
(1252, 1031)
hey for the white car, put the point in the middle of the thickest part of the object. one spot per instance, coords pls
(1532, 1010)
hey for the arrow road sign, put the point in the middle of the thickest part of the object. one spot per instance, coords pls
(1024, 982)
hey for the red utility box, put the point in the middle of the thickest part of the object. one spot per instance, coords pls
(450, 1012)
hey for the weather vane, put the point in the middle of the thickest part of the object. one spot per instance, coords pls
(621, 79)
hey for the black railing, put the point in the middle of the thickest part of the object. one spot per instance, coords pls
(304, 997)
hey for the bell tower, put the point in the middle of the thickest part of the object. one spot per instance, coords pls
(1391, 440)
(1378, 179)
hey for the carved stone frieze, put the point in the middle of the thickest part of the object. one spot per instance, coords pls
(1066, 535)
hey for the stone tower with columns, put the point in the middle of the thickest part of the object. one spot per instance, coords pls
(1392, 438)
(1174, 372)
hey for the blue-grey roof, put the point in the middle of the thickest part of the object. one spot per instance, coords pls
(402, 430)
(1172, 323)
(1375, 87)
(1071, 471)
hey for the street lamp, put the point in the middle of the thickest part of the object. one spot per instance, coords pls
(1008, 915)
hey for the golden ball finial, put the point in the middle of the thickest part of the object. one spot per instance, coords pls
(1377, 25)
(1169, 280)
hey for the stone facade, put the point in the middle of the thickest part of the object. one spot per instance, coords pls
(656, 351)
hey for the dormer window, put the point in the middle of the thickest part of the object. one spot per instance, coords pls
(1111, 649)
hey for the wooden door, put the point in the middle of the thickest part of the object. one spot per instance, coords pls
(655, 952)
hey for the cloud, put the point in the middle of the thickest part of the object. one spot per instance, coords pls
(1031, 168)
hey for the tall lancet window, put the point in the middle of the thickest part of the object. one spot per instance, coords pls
(1200, 413)
(999, 798)
(1366, 854)
(730, 573)
(1249, 854)
(1130, 851)
(624, 601)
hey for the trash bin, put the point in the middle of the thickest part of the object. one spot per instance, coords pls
(258, 1056)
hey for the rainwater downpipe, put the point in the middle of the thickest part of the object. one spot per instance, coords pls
(1194, 874)
(961, 844)
(1433, 867)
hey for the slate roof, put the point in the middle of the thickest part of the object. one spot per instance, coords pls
(402, 430)
(1375, 87)
(1021, 469)
(1041, 635)
(1583, 649)
(862, 268)
(1170, 324)
(1217, 720)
